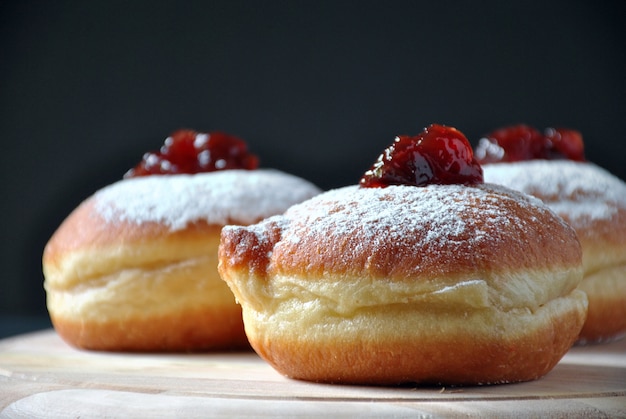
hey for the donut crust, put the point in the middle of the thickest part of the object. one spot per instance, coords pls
(127, 271)
(593, 202)
(138, 287)
(448, 285)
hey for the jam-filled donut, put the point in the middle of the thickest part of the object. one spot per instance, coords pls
(134, 267)
(421, 273)
(552, 167)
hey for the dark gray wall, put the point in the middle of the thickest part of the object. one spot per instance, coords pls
(317, 88)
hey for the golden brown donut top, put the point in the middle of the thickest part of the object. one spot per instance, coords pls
(583, 191)
(177, 208)
(404, 232)
(586, 196)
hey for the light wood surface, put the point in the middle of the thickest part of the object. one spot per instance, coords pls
(41, 376)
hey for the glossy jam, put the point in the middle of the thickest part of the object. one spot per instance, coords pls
(189, 152)
(438, 155)
(522, 142)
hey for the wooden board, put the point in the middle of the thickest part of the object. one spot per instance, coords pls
(41, 376)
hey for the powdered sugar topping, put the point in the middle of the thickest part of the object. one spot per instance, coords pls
(401, 231)
(229, 196)
(441, 214)
(580, 191)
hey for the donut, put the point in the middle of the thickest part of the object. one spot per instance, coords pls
(405, 278)
(592, 201)
(134, 266)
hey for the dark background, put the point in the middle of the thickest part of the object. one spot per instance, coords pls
(316, 88)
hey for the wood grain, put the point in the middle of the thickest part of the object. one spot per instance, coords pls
(41, 376)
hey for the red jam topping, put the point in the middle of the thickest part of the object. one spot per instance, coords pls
(189, 152)
(522, 142)
(439, 155)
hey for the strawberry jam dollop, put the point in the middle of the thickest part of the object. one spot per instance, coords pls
(523, 142)
(188, 152)
(439, 155)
